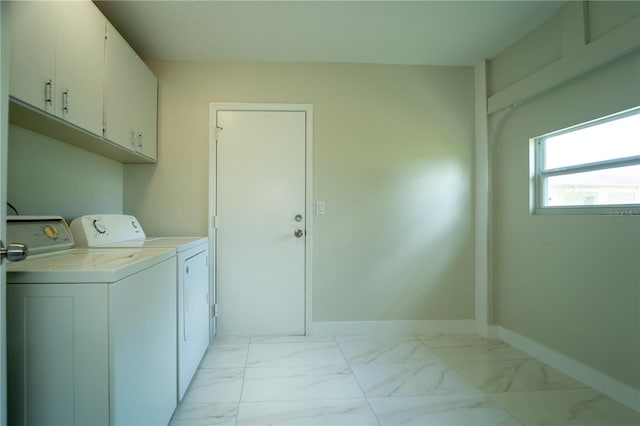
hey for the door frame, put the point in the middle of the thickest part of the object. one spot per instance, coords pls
(4, 138)
(309, 212)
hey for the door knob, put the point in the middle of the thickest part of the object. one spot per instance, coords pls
(14, 252)
(298, 233)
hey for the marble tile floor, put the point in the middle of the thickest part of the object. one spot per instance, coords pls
(436, 379)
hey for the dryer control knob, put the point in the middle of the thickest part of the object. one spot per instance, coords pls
(50, 231)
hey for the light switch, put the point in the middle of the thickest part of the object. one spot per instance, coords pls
(320, 207)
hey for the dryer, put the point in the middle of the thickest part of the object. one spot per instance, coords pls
(192, 280)
(91, 335)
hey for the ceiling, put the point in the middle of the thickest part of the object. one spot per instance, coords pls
(380, 32)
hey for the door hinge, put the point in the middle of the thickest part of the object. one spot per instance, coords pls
(218, 128)
(214, 310)
(216, 222)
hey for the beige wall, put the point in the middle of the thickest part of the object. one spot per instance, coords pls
(569, 282)
(393, 150)
(50, 177)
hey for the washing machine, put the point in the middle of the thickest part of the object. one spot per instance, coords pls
(91, 336)
(192, 280)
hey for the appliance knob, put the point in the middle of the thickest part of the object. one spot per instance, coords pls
(99, 227)
(50, 231)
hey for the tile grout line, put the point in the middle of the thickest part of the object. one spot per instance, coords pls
(490, 395)
(244, 374)
(366, 398)
(511, 413)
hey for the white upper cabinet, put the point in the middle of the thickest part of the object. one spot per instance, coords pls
(57, 59)
(70, 63)
(131, 98)
(148, 128)
(119, 108)
(33, 52)
(80, 64)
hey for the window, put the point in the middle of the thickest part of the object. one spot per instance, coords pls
(590, 168)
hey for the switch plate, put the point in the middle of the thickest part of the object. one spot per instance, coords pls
(320, 207)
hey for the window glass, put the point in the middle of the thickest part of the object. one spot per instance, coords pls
(600, 142)
(619, 185)
(589, 166)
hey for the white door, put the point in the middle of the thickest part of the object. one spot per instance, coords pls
(260, 235)
(4, 128)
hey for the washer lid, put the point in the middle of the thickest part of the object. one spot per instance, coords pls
(85, 265)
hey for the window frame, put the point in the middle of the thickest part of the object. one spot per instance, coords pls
(538, 174)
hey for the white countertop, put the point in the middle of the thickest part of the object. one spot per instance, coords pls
(85, 265)
(177, 243)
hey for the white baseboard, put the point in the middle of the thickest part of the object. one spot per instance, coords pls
(332, 328)
(487, 331)
(619, 391)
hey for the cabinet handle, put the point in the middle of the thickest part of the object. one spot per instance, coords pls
(65, 101)
(140, 140)
(133, 139)
(48, 90)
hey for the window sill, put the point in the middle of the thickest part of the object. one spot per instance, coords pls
(630, 210)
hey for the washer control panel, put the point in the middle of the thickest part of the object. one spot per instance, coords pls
(41, 234)
(101, 229)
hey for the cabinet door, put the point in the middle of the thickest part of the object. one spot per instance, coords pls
(148, 98)
(80, 65)
(57, 354)
(120, 91)
(131, 102)
(33, 45)
(193, 320)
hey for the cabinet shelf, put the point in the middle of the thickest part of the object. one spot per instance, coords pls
(31, 118)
